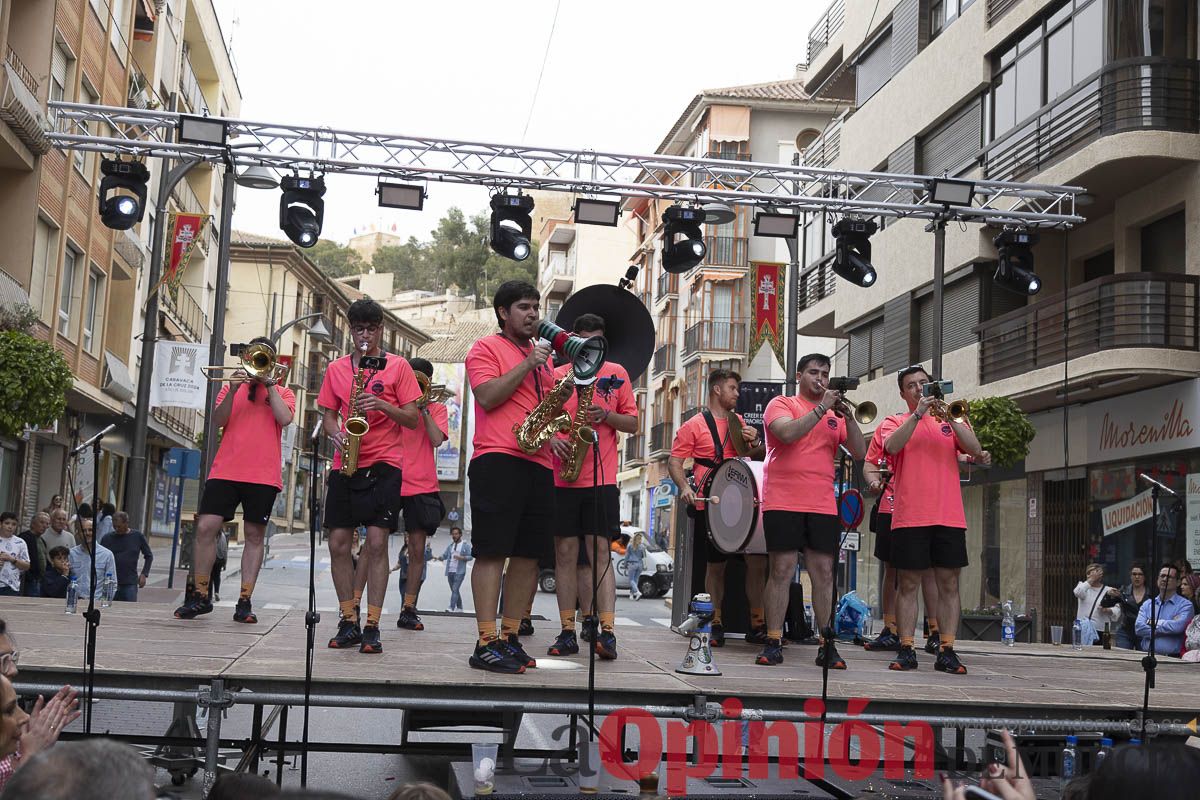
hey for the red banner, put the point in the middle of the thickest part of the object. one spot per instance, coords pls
(768, 310)
(184, 231)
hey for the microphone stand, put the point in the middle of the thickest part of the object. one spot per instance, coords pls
(828, 632)
(311, 617)
(1150, 662)
(92, 615)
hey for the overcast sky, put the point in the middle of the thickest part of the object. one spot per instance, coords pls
(617, 75)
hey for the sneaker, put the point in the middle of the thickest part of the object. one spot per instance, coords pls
(564, 645)
(518, 652)
(886, 640)
(835, 660)
(243, 612)
(757, 635)
(933, 644)
(772, 653)
(348, 635)
(195, 605)
(606, 645)
(409, 620)
(947, 661)
(586, 634)
(495, 657)
(370, 640)
(717, 637)
(526, 628)
(905, 660)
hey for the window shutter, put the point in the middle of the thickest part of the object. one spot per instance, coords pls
(925, 328)
(953, 146)
(874, 69)
(58, 66)
(860, 351)
(897, 313)
(905, 33)
(960, 314)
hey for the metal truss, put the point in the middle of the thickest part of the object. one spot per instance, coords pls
(294, 148)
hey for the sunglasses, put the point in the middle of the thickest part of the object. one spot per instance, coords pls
(9, 658)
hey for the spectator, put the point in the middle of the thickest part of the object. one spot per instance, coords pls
(1163, 771)
(1191, 640)
(14, 556)
(1091, 615)
(91, 769)
(1010, 780)
(635, 554)
(1130, 599)
(81, 562)
(57, 579)
(59, 534)
(242, 786)
(419, 791)
(105, 522)
(219, 562)
(125, 545)
(456, 555)
(1189, 583)
(1172, 612)
(56, 503)
(82, 511)
(402, 565)
(38, 558)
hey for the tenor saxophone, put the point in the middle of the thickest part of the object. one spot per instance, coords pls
(547, 418)
(579, 436)
(356, 423)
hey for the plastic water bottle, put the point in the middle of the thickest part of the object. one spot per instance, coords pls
(72, 595)
(1077, 636)
(107, 590)
(1102, 753)
(1069, 761)
(1008, 627)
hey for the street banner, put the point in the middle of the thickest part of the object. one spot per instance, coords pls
(753, 397)
(178, 379)
(184, 231)
(1120, 516)
(449, 456)
(1193, 518)
(768, 311)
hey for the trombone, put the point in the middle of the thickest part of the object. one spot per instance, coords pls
(431, 392)
(259, 362)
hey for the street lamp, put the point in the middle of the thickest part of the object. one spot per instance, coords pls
(319, 330)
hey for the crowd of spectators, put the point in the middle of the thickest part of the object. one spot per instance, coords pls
(1170, 603)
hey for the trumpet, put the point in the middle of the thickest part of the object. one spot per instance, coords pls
(955, 411)
(431, 392)
(864, 412)
(258, 362)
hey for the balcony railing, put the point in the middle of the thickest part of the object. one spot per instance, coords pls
(1135, 94)
(639, 385)
(21, 71)
(189, 87)
(668, 285)
(816, 284)
(727, 251)
(1131, 310)
(660, 438)
(708, 336)
(130, 248)
(664, 359)
(826, 28)
(728, 155)
(183, 421)
(186, 310)
(635, 450)
(998, 8)
(688, 414)
(19, 106)
(298, 376)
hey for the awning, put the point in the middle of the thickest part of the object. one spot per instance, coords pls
(117, 382)
(728, 123)
(718, 275)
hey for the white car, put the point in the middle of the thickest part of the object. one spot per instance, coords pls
(657, 569)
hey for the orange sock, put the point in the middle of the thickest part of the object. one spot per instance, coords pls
(567, 618)
(373, 615)
(607, 620)
(948, 642)
(509, 626)
(716, 620)
(757, 618)
(202, 582)
(349, 610)
(906, 641)
(933, 626)
(487, 632)
(889, 622)
(776, 634)
(247, 590)
(410, 600)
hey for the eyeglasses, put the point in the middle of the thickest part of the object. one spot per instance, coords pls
(365, 328)
(7, 659)
(1168, 576)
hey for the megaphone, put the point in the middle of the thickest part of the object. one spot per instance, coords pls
(586, 355)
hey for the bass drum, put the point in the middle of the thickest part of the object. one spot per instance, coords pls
(735, 521)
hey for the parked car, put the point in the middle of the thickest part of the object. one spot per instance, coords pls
(657, 569)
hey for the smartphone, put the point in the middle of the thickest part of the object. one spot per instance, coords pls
(979, 794)
(376, 363)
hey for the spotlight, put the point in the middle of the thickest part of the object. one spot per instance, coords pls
(512, 226)
(597, 212)
(951, 192)
(122, 211)
(202, 130)
(852, 258)
(683, 254)
(401, 195)
(779, 226)
(1015, 270)
(301, 209)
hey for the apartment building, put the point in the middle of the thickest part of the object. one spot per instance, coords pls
(1102, 94)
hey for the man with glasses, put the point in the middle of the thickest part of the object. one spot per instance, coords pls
(1172, 613)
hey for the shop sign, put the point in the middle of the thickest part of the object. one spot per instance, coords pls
(1162, 420)
(1120, 516)
(1193, 518)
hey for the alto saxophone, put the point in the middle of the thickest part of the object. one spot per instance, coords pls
(547, 418)
(579, 435)
(356, 423)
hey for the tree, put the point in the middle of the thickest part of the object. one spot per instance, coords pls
(336, 260)
(461, 255)
(1002, 428)
(34, 376)
(410, 263)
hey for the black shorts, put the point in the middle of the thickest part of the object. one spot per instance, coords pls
(369, 497)
(801, 530)
(883, 537)
(575, 511)
(712, 555)
(512, 506)
(222, 497)
(423, 512)
(929, 546)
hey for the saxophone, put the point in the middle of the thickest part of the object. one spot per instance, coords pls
(356, 423)
(579, 435)
(547, 418)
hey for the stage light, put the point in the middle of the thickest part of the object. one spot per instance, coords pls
(778, 226)
(597, 212)
(680, 255)
(258, 177)
(122, 211)
(202, 130)
(951, 192)
(852, 256)
(512, 226)
(401, 195)
(718, 214)
(301, 209)
(1015, 269)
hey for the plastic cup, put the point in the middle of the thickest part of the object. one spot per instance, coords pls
(483, 761)
(1056, 632)
(589, 767)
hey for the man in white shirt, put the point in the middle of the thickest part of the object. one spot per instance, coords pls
(1090, 593)
(14, 555)
(456, 556)
(81, 562)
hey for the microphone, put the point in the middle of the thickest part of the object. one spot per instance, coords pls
(1162, 486)
(101, 435)
(316, 434)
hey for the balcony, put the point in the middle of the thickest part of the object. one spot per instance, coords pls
(185, 310)
(635, 451)
(189, 88)
(1131, 95)
(688, 414)
(660, 438)
(130, 248)
(708, 336)
(664, 359)
(183, 421)
(816, 284)
(1131, 310)
(298, 377)
(668, 286)
(826, 28)
(727, 251)
(639, 385)
(19, 105)
(558, 274)
(728, 155)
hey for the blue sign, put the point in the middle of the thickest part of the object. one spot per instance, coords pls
(182, 462)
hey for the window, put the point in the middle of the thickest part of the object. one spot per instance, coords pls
(116, 34)
(66, 290)
(943, 12)
(93, 303)
(84, 160)
(62, 64)
(1148, 28)
(952, 146)
(45, 257)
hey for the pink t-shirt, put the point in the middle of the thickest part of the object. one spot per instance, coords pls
(250, 450)
(799, 476)
(395, 384)
(693, 440)
(618, 401)
(420, 469)
(875, 452)
(932, 495)
(488, 359)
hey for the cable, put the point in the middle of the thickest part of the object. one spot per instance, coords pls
(545, 56)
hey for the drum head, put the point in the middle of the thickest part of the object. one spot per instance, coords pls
(731, 521)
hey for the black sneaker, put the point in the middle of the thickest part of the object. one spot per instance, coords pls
(757, 635)
(514, 646)
(835, 660)
(606, 645)
(564, 645)
(905, 660)
(495, 656)
(772, 653)
(886, 640)
(348, 635)
(526, 628)
(947, 661)
(195, 605)
(717, 636)
(933, 644)
(409, 620)
(244, 613)
(586, 634)
(370, 640)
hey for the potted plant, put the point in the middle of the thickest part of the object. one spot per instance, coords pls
(984, 624)
(1002, 428)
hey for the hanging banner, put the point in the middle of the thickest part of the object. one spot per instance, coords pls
(178, 380)
(768, 311)
(184, 230)
(449, 456)
(753, 397)
(1121, 515)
